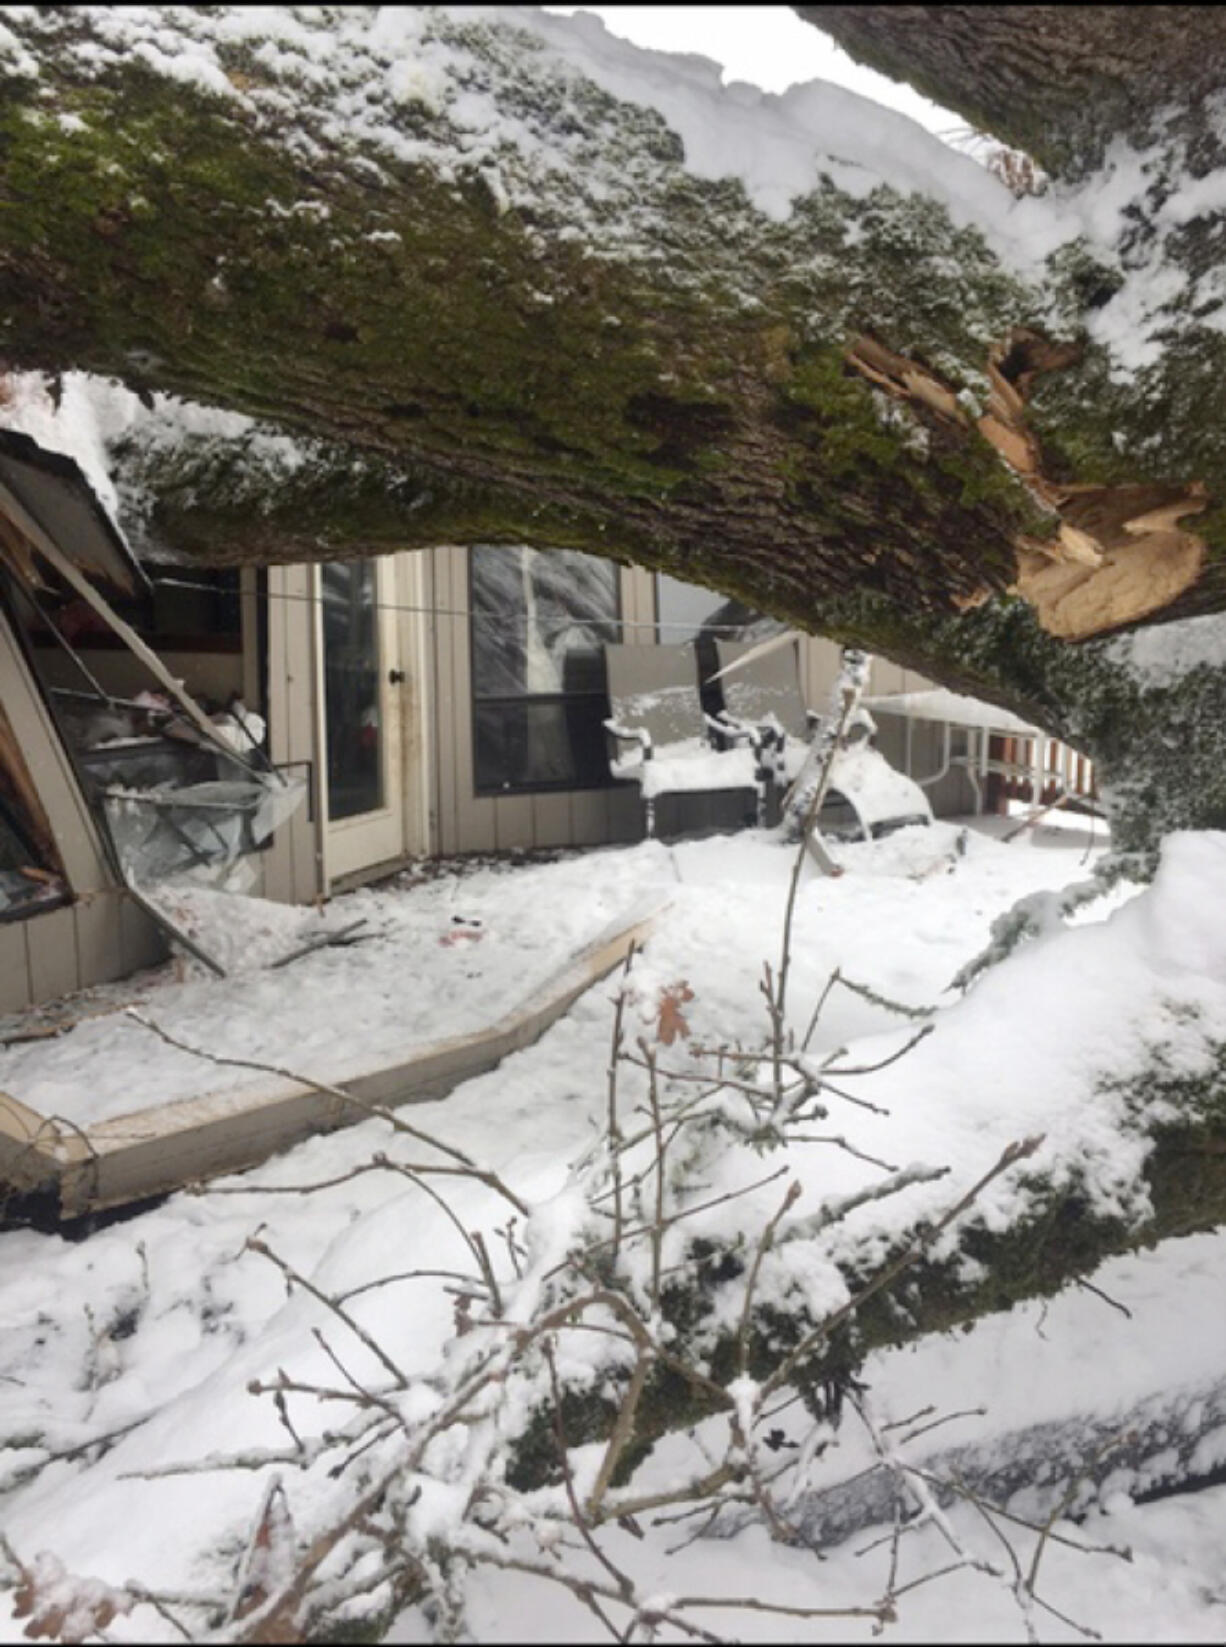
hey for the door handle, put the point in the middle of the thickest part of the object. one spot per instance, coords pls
(396, 677)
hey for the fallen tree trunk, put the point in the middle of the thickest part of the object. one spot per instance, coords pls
(1163, 1446)
(1059, 82)
(488, 283)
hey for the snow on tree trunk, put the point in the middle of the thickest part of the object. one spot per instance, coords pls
(462, 278)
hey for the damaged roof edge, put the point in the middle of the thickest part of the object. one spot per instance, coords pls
(51, 487)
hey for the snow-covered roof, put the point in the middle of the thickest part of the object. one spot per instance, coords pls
(51, 489)
(939, 704)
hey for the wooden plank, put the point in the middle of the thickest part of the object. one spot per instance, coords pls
(27, 802)
(134, 1156)
(51, 947)
(28, 1148)
(14, 967)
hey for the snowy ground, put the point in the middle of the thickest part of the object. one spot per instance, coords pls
(150, 1329)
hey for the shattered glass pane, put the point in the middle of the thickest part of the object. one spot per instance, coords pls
(202, 828)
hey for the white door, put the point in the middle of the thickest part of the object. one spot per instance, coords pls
(361, 710)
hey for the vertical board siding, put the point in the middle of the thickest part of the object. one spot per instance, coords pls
(626, 821)
(513, 822)
(551, 820)
(141, 942)
(14, 967)
(415, 635)
(429, 687)
(51, 947)
(99, 949)
(820, 661)
(638, 602)
(589, 817)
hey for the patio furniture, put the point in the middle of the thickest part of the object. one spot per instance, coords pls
(761, 689)
(1024, 755)
(866, 796)
(663, 740)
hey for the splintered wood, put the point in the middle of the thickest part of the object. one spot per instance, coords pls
(1119, 553)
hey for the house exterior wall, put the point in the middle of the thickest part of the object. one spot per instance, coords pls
(462, 820)
(101, 935)
(436, 652)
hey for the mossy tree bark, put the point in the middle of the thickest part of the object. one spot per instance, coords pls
(856, 415)
(1059, 82)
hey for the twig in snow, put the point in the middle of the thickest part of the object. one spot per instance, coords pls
(296, 1278)
(838, 1207)
(884, 1063)
(613, 1129)
(765, 1242)
(343, 937)
(624, 1585)
(1088, 1286)
(945, 1418)
(1065, 1502)
(656, 1228)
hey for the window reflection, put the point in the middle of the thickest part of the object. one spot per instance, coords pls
(351, 688)
(539, 620)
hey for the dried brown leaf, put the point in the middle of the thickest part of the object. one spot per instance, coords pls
(670, 1020)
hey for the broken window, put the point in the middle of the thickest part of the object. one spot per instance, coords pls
(179, 788)
(30, 871)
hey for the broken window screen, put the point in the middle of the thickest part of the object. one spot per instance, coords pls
(539, 620)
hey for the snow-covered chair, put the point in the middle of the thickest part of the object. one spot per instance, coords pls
(662, 739)
(866, 797)
(761, 690)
